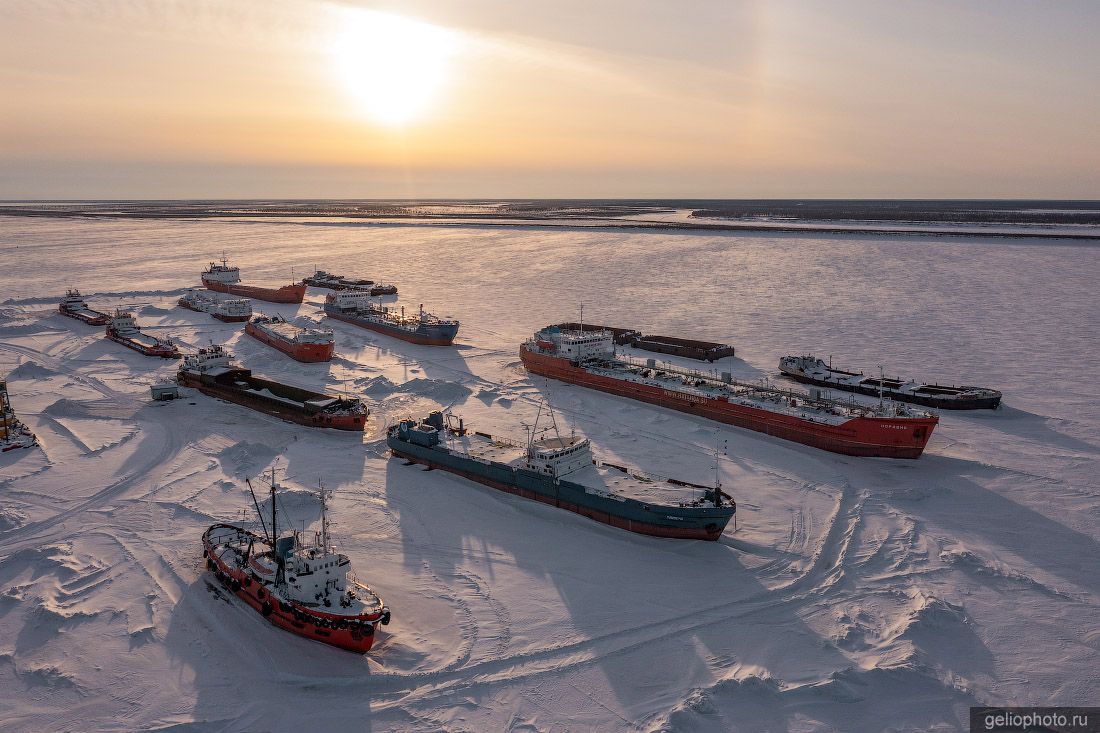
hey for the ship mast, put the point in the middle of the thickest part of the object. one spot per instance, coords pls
(324, 517)
(717, 479)
(258, 512)
(881, 379)
(274, 532)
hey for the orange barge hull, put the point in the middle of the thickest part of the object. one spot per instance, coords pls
(308, 353)
(293, 293)
(860, 436)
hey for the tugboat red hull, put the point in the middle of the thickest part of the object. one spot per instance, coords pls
(860, 436)
(293, 293)
(354, 635)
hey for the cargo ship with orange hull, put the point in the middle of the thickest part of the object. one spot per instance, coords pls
(301, 344)
(888, 429)
(301, 586)
(73, 306)
(124, 329)
(211, 372)
(225, 279)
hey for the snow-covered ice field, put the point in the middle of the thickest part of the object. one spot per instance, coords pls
(855, 595)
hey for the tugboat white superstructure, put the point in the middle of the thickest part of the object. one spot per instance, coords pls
(304, 587)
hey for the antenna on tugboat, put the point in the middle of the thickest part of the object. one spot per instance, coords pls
(258, 512)
(324, 516)
(274, 532)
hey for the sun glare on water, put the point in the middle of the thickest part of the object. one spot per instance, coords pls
(393, 66)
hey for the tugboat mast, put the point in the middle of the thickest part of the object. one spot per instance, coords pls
(274, 532)
(324, 517)
(258, 512)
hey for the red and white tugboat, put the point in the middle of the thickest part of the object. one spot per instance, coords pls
(301, 344)
(229, 310)
(124, 329)
(73, 306)
(225, 279)
(304, 588)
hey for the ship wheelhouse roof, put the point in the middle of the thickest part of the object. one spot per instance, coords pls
(554, 447)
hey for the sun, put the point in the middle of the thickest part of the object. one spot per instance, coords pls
(393, 66)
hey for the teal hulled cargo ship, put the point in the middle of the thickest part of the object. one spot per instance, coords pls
(561, 472)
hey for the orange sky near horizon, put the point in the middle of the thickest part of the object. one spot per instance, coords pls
(485, 98)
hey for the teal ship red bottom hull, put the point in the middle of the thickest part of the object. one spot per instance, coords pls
(697, 523)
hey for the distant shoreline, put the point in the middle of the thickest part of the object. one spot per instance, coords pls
(629, 215)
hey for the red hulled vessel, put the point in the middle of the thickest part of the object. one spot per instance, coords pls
(210, 371)
(225, 279)
(305, 588)
(124, 329)
(888, 429)
(73, 306)
(301, 344)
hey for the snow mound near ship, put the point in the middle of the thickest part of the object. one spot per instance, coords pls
(155, 310)
(245, 458)
(838, 702)
(436, 389)
(298, 507)
(376, 386)
(30, 370)
(11, 518)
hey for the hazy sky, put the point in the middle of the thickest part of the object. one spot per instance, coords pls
(570, 98)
